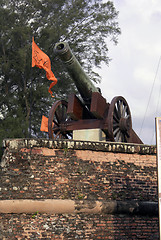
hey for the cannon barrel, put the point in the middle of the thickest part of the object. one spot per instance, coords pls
(83, 83)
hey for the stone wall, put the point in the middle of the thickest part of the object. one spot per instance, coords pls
(84, 171)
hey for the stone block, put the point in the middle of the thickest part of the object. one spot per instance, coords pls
(89, 135)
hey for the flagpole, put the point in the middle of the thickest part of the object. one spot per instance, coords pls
(30, 96)
(30, 108)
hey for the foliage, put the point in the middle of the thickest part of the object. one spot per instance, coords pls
(24, 96)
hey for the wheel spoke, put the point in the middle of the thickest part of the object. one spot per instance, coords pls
(115, 132)
(57, 134)
(65, 116)
(116, 115)
(127, 134)
(55, 122)
(122, 137)
(63, 113)
(121, 108)
(128, 117)
(124, 111)
(55, 129)
(125, 138)
(57, 115)
(118, 136)
(115, 125)
(118, 109)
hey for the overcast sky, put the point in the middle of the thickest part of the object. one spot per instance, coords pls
(135, 69)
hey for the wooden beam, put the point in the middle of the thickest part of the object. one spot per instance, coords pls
(75, 107)
(98, 105)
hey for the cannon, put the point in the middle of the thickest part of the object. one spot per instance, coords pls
(89, 110)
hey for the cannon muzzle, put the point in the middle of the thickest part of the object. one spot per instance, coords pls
(83, 83)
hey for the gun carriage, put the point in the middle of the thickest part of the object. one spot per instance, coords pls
(90, 111)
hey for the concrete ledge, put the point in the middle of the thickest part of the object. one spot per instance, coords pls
(15, 144)
(58, 206)
(32, 206)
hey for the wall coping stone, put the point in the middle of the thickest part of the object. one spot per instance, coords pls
(131, 148)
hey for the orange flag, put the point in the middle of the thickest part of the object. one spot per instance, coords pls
(44, 124)
(41, 60)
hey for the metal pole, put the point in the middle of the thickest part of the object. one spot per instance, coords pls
(158, 144)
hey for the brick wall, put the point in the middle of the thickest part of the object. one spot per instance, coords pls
(42, 169)
(84, 227)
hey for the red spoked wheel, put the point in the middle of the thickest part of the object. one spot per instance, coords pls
(58, 119)
(119, 120)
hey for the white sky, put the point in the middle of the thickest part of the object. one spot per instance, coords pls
(133, 72)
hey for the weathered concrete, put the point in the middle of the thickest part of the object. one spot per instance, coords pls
(58, 206)
(89, 135)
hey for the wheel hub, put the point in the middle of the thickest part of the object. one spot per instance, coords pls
(62, 127)
(124, 124)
